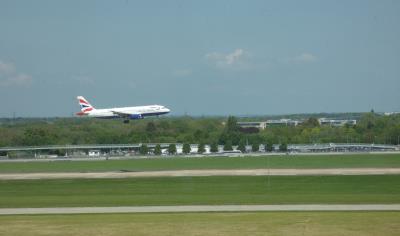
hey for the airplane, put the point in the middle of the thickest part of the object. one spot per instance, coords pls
(126, 113)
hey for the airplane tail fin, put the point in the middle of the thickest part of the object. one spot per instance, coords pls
(85, 106)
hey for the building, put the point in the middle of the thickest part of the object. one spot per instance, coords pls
(285, 122)
(264, 124)
(253, 124)
(289, 122)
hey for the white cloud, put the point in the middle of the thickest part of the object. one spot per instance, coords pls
(6, 68)
(182, 72)
(9, 76)
(21, 79)
(240, 59)
(236, 59)
(16, 80)
(305, 58)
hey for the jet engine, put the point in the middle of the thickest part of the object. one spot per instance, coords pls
(135, 116)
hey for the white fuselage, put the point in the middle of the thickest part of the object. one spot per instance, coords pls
(143, 111)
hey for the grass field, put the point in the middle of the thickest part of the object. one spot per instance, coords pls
(201, 190)
(266, 223)
(220, 190)
(290, 161)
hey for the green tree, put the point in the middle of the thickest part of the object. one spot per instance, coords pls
(201, 148)
(367, 122)
(157, 150)
(311, 122)
(143, 150)
(172, 148)
(198, 136)
(38, 136)
(269, 147)
(370, 127)
(231, 132)
(186, 148)
(151, 127)
(242, 146)
(255, 147)
(214, 147)
(228, 146)
(231, 124)
(283, 147)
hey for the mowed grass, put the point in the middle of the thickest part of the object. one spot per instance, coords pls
(167, 163)
(200, 191)
(232, 224)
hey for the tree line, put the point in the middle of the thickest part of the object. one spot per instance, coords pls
(370, 128)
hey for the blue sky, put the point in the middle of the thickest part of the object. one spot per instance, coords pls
(200, 57)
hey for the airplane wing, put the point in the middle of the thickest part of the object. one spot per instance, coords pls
(128, 115)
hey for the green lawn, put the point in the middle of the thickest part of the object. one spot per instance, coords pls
(166, 163)
(200, 190)
(232, 224)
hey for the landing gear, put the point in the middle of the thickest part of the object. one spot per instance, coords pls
(126, 121)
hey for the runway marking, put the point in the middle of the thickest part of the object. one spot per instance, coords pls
(204, 208)
(192, 173)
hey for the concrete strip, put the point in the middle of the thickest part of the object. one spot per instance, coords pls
(205, 208)
(191, 173)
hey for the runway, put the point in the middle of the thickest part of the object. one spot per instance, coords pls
(192, 173)
(204, 208)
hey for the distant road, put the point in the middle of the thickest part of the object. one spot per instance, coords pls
(205, 208)
(180, 173)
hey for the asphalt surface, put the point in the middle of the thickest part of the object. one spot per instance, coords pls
(205, 208)
(180, 173)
